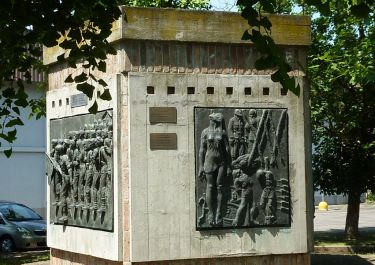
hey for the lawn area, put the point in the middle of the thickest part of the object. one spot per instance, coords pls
(19, 258)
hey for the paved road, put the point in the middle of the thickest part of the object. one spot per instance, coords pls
(334, 219)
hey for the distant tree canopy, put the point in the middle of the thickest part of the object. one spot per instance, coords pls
(342, 70)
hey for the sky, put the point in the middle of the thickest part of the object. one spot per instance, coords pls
(224, 5)
(230, 5)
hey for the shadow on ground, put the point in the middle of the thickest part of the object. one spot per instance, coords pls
(24, 257)
(337, 237)
(326, 259)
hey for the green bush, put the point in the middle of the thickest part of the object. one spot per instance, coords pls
(371, 197)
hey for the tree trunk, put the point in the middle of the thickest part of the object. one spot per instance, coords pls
(352, 215)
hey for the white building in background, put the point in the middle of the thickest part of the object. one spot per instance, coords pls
(333, 199)
(22, 176)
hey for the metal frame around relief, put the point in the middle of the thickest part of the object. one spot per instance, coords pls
(80, 171)
(242, 167)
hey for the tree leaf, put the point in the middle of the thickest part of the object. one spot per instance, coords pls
(111, 50)
(81, 78)
(324, 8)
(4, 111)
(94, 108)
(246, 35)
(246, 2)
(102, 66)
(268, 6)
(16, 110)
(8, 152)
(106, 95)
(265, 63)
(50, 38)
(22, 102)
(361, 10)
(276, 76)
(10, 136)
(72, 63)
(20, 86)
(289, 84)
(266, 23)
(86, 88)
(9, 92)
(102, 82)
(61, 57)
(93, 77)
(14, 122)
(69, 79)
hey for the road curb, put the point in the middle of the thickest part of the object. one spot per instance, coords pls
(357, 249)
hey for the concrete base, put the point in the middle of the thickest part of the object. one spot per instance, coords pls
(59, 257)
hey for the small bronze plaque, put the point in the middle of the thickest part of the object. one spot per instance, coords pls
(78, 100)
(163, 141)
(163, 115)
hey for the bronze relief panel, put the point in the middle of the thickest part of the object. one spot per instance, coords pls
(80, 171)
(242, 176)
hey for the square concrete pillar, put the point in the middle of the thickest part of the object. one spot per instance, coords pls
(198, 158)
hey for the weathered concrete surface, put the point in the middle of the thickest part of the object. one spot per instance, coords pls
(197, 26)
(183, 58)
(66, 258)
(101, 244)
(202, 26)
(162, 183)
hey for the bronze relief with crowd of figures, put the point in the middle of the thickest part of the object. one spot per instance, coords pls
(80, 171)
(242, 167)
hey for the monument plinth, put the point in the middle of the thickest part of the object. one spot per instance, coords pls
(197, 158)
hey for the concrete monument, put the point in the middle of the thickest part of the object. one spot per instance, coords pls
(204, 160)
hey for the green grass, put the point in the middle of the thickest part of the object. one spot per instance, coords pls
(338, 239)
(24, 257)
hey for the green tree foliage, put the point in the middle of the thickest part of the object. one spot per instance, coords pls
(260, 34)
(342, 70)
(78, 27)
(81, 28)
(259, 31)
